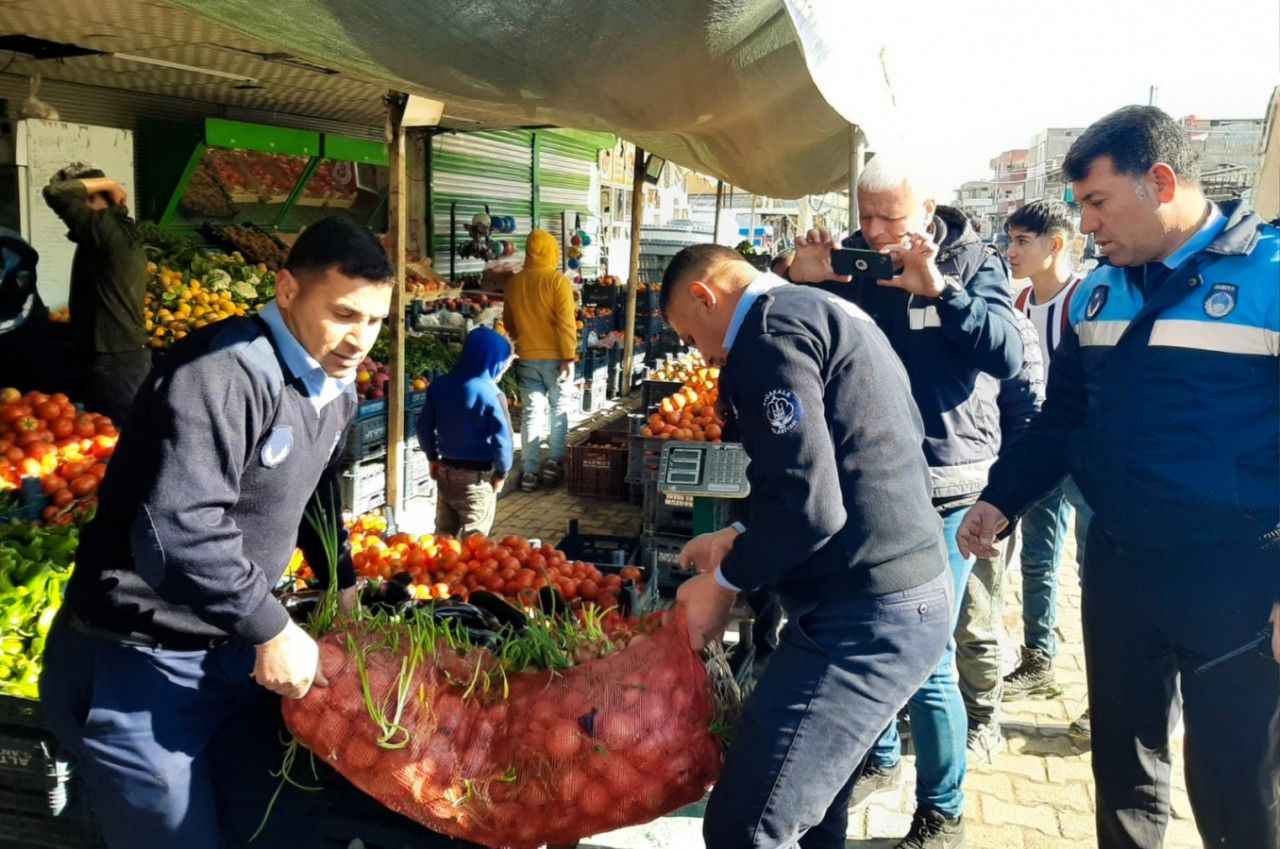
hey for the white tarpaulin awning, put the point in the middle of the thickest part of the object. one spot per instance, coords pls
(721, 86)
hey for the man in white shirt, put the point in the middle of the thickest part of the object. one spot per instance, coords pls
(1039, 236)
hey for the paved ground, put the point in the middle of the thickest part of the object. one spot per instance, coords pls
(1036, 795)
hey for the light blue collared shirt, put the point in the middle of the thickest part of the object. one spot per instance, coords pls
(758, 287)
(320, 387)
(1213, 226)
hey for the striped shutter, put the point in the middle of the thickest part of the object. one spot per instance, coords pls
(569, 183)
(475, 169)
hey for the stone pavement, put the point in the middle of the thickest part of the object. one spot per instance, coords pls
(1038, 794)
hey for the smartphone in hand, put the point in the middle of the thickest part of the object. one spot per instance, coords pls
(862, 264)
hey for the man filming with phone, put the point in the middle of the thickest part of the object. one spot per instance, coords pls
(943, 300)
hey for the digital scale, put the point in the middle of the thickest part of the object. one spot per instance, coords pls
(703, 473)
(712, 470)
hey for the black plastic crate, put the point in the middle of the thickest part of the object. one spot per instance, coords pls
(661, 555)
(653, 391)
(673, 514)
(25, 713)
(33, 779)
(594, 394)
(34, 831)
(599, 549)
(364, 486)
(595, 295)
(597, 468)
(366, 438)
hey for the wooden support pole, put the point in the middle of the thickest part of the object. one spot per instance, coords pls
(633, 269)
(715, 226)
(398, 223)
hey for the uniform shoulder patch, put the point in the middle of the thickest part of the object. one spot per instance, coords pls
(1097, 300)
(277, 447)
(1221, 300)
(782, 410)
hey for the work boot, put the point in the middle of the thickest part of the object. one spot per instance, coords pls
(528, 482)
(986, 740)
(1081, 731)
(1033, 677)
(932, 830)
(552, 473)
(874, 779)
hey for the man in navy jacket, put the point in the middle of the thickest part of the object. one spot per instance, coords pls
(1163, 404)
(949, 317)
(840, 526)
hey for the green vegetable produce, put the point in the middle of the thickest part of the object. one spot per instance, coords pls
(35, 564)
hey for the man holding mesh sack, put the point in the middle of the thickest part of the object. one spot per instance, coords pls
(841, 526)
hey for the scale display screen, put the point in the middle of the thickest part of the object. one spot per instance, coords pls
(684, 466)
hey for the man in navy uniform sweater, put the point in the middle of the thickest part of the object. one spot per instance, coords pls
(158, 668)
(841, 526)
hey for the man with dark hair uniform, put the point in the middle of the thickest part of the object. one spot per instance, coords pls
(840, 524)
(108, 287)
(1163, 405)
(158, 668)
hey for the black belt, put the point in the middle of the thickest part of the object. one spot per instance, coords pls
(170, 642)
(469, 465)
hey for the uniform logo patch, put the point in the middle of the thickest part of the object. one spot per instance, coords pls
(277, 446)
(1221, 300)
(1097, 301)
(782, 410)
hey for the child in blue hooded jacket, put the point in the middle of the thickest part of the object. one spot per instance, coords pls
(465, 430)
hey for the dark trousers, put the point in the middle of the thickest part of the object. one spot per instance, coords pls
(1150, 619)
(840, 674)
(112, 382)
(767, 625)
(173, 748)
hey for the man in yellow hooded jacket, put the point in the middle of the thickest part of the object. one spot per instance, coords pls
(541, 317)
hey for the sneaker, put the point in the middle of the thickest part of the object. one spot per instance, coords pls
(874, 779)
(1033, 677)
(932, 830)
(986, 740)
(528, 482)
(552, 473)
(1081, 730)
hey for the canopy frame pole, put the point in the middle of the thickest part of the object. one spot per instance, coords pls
(633, 269)
(857, 155)
(398, 221)
(715, 225)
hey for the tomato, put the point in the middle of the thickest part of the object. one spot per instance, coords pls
(508, 562)
(589, 589)
(51, 484)
(63, 428)
(84, 426)
(63, 497)
(537, 562)
(494, 583)
(84, 485)
(104, 446)
(51, 512)
(98, 470)
(15, 455)
(9, 395)
(27, 424)
(49, 411)
(30, 468)
(508, 574)
(60, 398)
(569, 589)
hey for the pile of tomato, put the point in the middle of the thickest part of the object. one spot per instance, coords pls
(48, 438)
(690, 414)
(444, 567)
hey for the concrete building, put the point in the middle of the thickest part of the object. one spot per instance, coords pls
(977, 198)
(1265, 197)
(1231, 152)
(1044, 163)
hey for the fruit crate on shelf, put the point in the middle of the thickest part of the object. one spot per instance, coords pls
(366, 438)
(653, 391)
(594, 363)
(413, 404)
(646, 452)
(364, 486)
(596, 295)
(593, 394)
(611, 553)
(672, 514)
(417, 473)
(597, 468)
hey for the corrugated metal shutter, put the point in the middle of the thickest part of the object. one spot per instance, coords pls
(475, 169)
(568, 182)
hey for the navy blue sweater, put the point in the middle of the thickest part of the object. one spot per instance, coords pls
(948, 344)
(840, 498)
(465, 416)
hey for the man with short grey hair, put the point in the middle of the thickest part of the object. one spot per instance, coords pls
(948, 314)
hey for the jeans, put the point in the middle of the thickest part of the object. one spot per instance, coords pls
(1151, 619)
(843, 669)
(1044, 532)
(1084, 517)
(979, 634)
(173, 748)
(545, 395)
(939, 724)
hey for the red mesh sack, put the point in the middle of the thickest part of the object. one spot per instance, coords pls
(515, 760)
